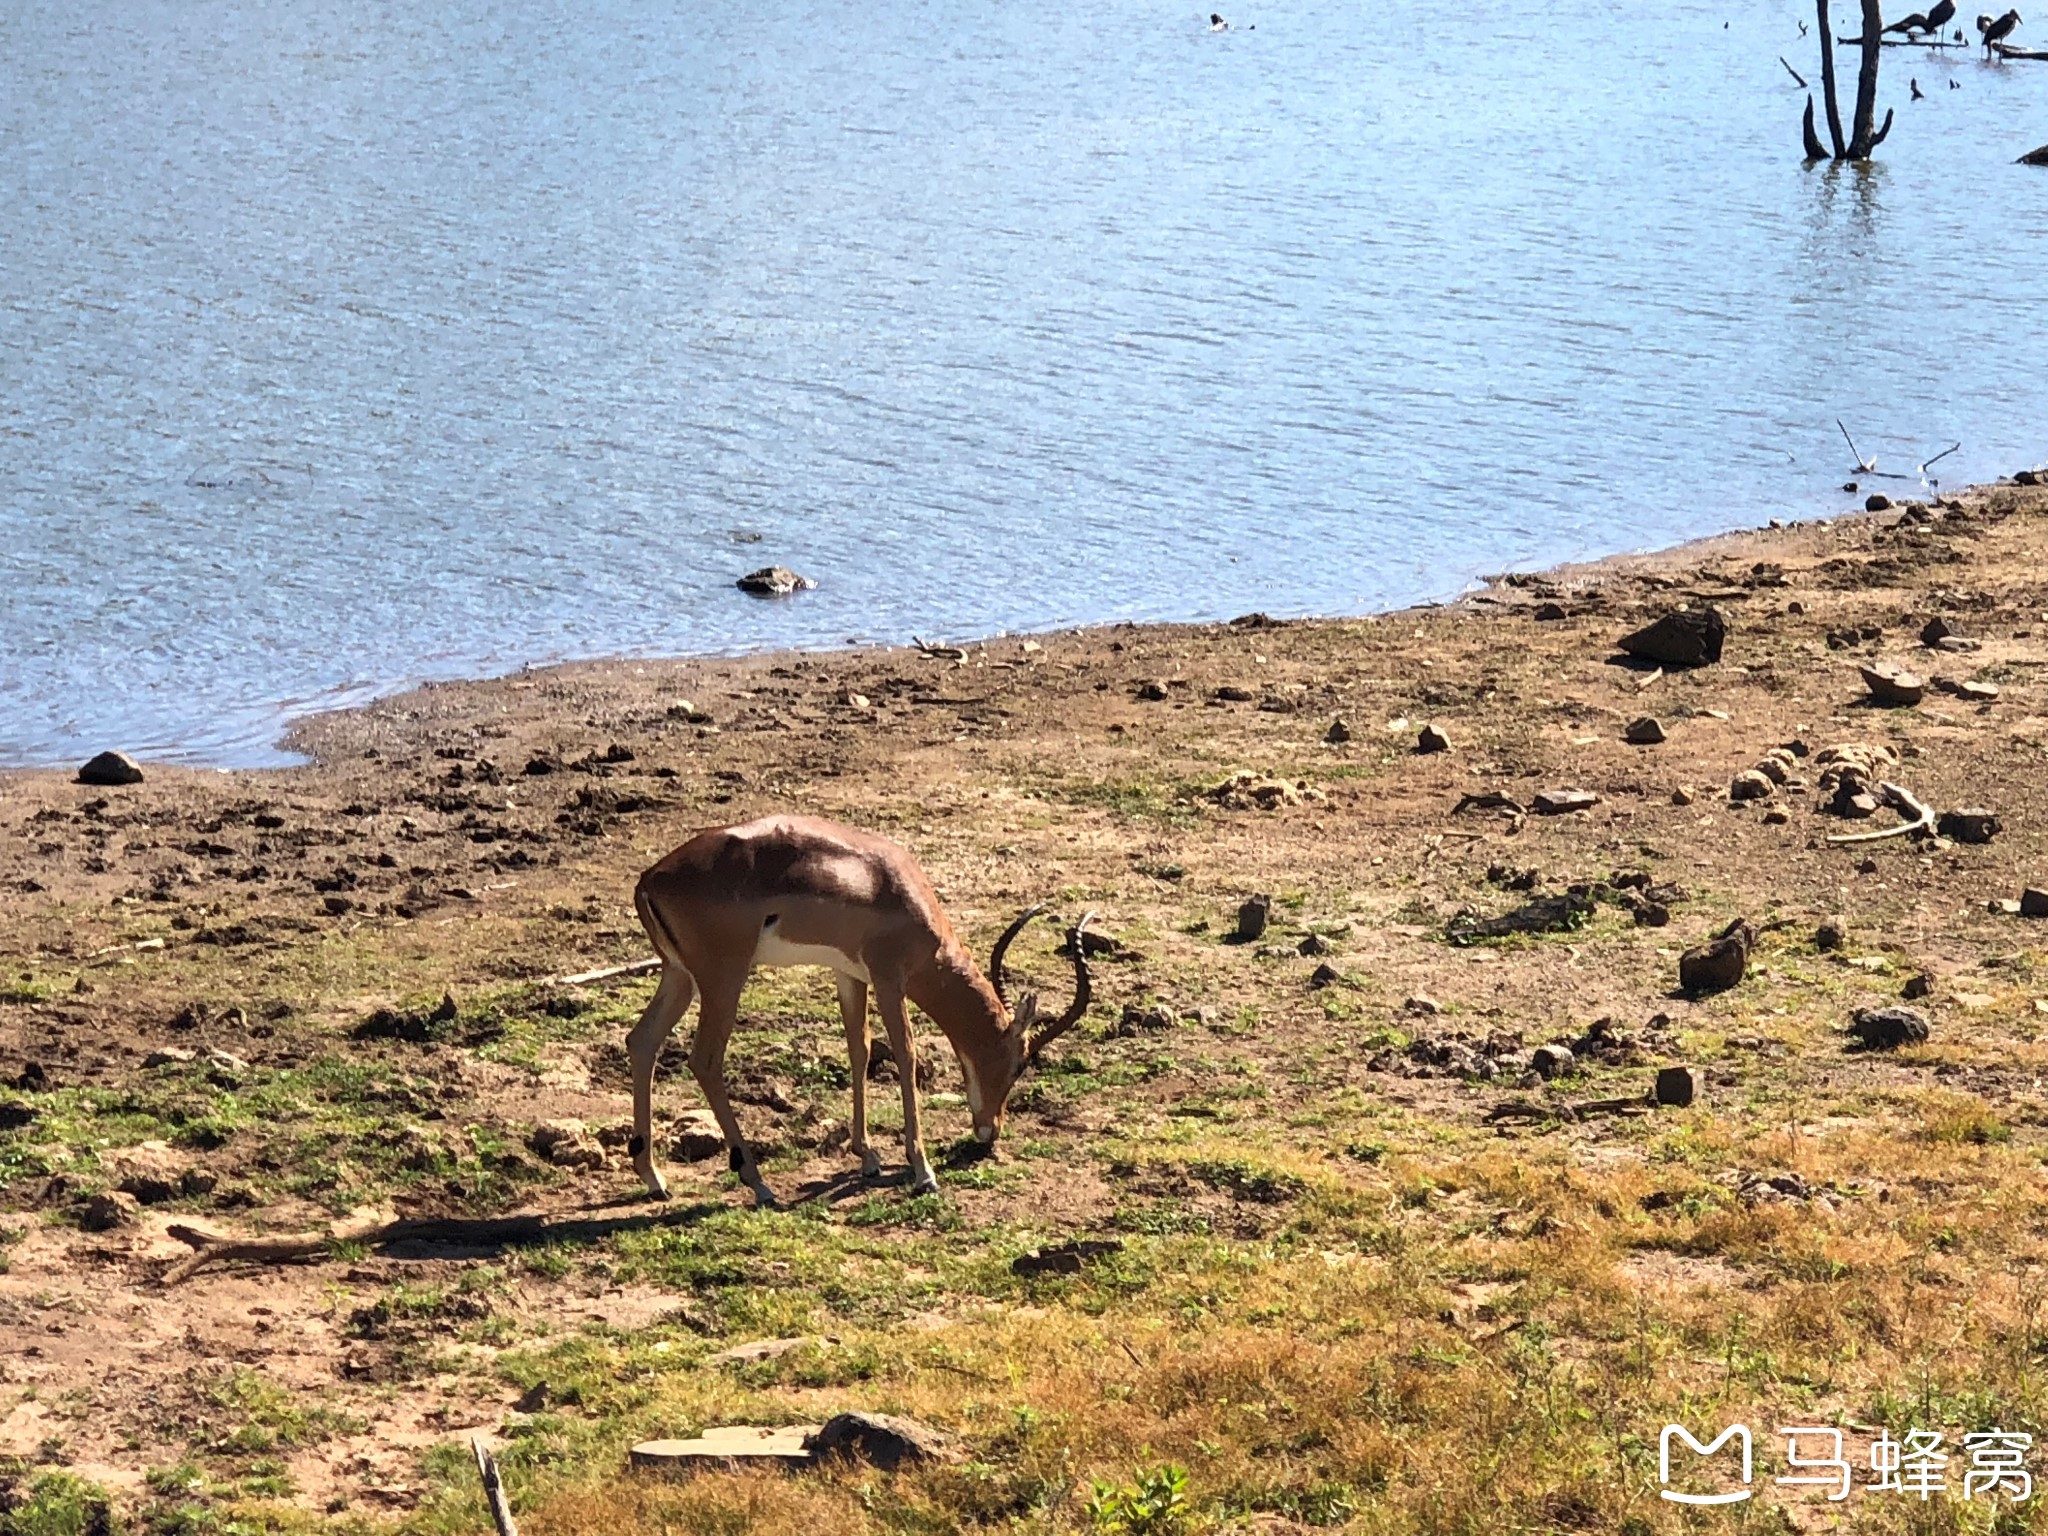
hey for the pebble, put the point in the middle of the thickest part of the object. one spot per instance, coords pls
(1559, 802)
(1338, 733)
(1433, 738)
(1886, 1029)
(1645, 732)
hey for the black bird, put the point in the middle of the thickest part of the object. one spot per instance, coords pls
(1913, 23)
(1915, 84)
(1940, 14)
(1217, 23)
(1998, 31)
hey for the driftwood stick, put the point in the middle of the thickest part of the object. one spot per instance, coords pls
(583, 978)
(940, 652)
(1793, 72)
(1923, 818)
(494, 1490)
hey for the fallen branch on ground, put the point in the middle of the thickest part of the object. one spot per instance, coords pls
(371, 1231)
(494, 1490)
(940, 652)
(583, 978)
(1906, 805)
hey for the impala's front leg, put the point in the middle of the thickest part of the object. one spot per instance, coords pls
(889, 1003)
(643, 1045)
(853, 1013)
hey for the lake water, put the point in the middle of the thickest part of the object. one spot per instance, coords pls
(348, 344)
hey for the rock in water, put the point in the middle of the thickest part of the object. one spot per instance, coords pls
(1890, 683)
(883, 1440)
(1886, 1029)
(111, 768)
(1685, 637)
(774, 581)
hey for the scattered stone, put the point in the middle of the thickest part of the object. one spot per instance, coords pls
(882, 1440)
(1891, 684)
(1549, 613)
(1877, 501)
(2033, 902)
(1559, 802)
(1774, 1188)
(1720, 964)
(1151, 692)
(105, 1212)
(1917, 986)
(774, 581)
(1934, 631)
(111, 769)
(1553, 1061)
(1338, 733)
(170, 1056)
(1972, 825)
(1651, 914)
(1685, 637)
(568, 1144)
(1316, 944)
(1136, 1019)
(1324, 975)
(1245, 790)
(1751, 784)
(1682, 795)
(1064, 1258)
(1647, 731)
(1546, 914)
(1974, 692)
(697, 1137)
(1423, 1004)
(1231, 693)
(15, 1115)
(1433, 738)
(1830, 935)
(1886, 1029)
(1776, 817)
(1676, 1086)
(2005, 906)
(1252, 918)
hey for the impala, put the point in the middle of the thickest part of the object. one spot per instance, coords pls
(795, 890)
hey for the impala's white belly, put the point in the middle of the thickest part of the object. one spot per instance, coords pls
(773, 949)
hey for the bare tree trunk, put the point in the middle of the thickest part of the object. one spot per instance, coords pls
(1863, 140)
(1827, 77)
(1815, 150)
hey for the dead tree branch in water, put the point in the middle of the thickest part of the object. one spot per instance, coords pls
(1865, 135)
(1797, 78)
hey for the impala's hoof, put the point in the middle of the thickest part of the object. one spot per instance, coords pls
(870, 1164)
(657, 1189)
(926, 1183)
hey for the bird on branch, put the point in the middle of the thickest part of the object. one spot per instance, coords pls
(1913, 23)
(1997, 31)
(1940, 14)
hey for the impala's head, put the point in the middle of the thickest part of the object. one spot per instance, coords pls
(1028, 1034)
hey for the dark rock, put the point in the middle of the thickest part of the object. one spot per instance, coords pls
(1551, 1061)
(2033, 902)
(111, 768)
(1830, 935)
(1976, 693)
(2030, 476)
(1231, 693)
(882, 1440)
(1549, 613)
(1559, 802)
(1972, 825)
(1064, 1258)
(1136, 1018)
(1150, 692)
(1324, 975)
(1651, 914)
(1917, 986)
(1685, 637)
(1316, 944)
(1645, 732)
(1546, 914)
(1252, 918)
(1718, 965)
(105, 1212)
(1751, 784)
(1676, 1086)
(1934, 631)
(1338, 733)
(1892, 684)
(1877, 501)
(14, 1115)
(1886, 1029)
(1433, 738)
(774, 581)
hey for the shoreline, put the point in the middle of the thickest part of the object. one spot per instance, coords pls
(300, 734)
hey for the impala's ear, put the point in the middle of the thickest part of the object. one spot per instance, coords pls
(1027, 1013)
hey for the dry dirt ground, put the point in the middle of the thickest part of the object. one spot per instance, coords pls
(1347, 1250)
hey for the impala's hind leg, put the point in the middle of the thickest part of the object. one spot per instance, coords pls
(716, 1018)
(643, 1045)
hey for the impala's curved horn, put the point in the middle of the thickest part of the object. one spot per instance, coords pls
(1077, 940)
(995, 959)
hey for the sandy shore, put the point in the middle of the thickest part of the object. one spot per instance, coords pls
(227, 983)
